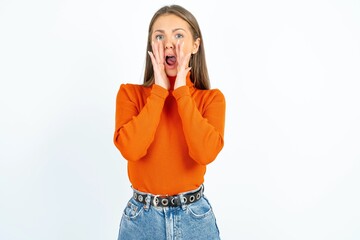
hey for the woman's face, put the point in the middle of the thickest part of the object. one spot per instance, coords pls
(168, 31)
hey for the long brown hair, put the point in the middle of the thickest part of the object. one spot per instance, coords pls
(199, 73)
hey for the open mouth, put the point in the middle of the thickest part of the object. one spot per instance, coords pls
(170, 60)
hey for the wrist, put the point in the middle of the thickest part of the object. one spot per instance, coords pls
(180, 81)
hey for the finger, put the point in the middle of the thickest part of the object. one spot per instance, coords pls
(152, 57)
(182, 53)
(177, 49)
(185, 61)
(180, 50)
(158, 51)
(161, 52)
(155, 51)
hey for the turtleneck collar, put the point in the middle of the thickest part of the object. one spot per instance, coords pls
(172, 80)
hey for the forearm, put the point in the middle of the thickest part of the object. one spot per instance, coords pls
(204, 131)
(135, 129)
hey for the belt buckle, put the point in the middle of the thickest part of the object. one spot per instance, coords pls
(164, 201)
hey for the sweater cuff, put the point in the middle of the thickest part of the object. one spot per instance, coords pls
(159, 91)
(181, 92)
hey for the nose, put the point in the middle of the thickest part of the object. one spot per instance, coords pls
(169, 44)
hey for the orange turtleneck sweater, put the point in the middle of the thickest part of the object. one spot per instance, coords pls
(168, 136)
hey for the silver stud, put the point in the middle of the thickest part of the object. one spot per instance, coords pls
(165, 202)
(198, 196)
(140, 198)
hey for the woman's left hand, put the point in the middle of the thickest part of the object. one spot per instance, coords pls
(183, 65)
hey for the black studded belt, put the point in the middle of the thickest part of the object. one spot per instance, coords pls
(169, 201)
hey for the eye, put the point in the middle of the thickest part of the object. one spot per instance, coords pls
(178, 36)
(159, 37)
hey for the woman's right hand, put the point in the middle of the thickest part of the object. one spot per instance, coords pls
(158, 60)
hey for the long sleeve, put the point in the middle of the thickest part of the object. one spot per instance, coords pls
(137, 117)
(203, 123)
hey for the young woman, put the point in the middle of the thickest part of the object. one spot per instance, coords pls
(169, 129)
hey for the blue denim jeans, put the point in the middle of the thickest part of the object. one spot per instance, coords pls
(195, 221)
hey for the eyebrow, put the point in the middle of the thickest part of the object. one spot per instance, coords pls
(174, 30)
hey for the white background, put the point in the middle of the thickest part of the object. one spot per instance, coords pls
(290, 72)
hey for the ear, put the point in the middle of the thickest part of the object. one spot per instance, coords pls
(196, 46)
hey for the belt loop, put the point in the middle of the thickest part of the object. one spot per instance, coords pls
(183, 204)
(147, 202)
(155, 200)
